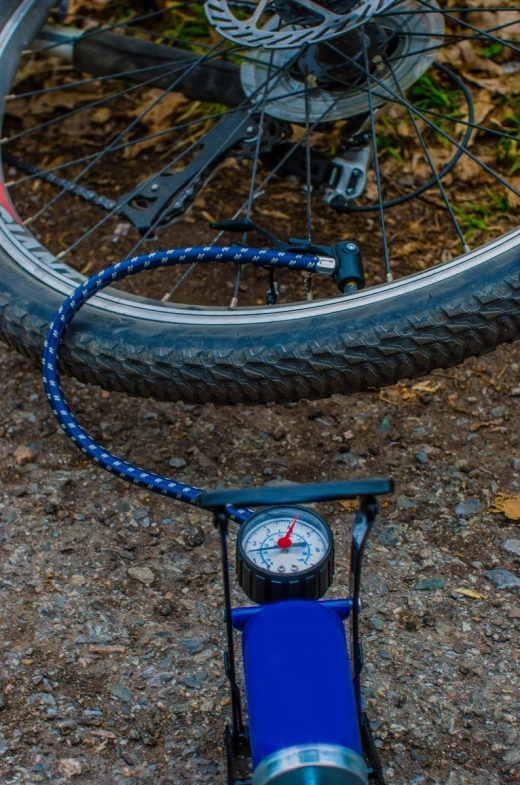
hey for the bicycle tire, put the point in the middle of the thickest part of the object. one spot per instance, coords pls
(434, 319)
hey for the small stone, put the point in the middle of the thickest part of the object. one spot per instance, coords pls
(23, 455)
(377, 624)
(374, 584)
(388, 535)
(192, 683)
(134, 734)
(128, 757)
(142, 574)
(196, 536)
(512, 546)
(118, 691)
(503, 579)
(41, 699)
(386, 424)
(279, 432)
(128, 555)
(193, 645)
(166, 608)
(2, 702)
(346, 458)
(314, 411)
(404, 503)
(67, 726)
(511, 758)
(499, 411)
(429, 584)
(515, 391)
(421, 458)
(467, 508)
(177, 462)
(70, 767)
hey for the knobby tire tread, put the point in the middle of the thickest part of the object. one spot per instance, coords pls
(406, 346)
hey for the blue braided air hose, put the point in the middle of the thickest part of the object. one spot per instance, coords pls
(117, 466)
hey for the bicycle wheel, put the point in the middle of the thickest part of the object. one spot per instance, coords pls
(142, 126)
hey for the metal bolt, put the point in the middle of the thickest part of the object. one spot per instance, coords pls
(351, 247)
(356, 171)
(250, 129)
(350, 190)
(154, 187)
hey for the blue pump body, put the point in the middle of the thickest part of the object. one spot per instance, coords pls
(298, 679)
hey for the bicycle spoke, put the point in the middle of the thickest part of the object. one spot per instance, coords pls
(474, 126)
(126, 145)
(87, 234)
(74, 112)
(389, 276)
(91, 33)
(485, 33)
(431, 165)
(390, 95)
(437, 47)
(468, 9)
(85, 82)
(308, 183)
(371, 81)
(121, 135)
(236, 288)
(259, 191)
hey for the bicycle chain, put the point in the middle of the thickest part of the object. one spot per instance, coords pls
(87, 194)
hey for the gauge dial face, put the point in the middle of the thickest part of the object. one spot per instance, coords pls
(285, 540)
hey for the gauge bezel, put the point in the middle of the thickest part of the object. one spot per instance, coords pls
(242, 533)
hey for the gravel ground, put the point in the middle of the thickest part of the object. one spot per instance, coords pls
(110, 617)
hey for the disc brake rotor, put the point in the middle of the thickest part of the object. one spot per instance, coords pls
(410, 33)
(317, 21)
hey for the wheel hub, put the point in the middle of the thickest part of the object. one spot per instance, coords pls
(333, 72)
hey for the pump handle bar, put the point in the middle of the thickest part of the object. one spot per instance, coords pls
(295, 494)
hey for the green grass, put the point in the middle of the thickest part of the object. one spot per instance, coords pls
(474, 217)
(491, 51)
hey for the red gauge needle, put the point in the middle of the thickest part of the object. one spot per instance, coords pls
(285, 541)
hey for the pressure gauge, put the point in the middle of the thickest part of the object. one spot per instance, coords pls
(285, 553)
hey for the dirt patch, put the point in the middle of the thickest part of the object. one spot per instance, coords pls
(126, 679)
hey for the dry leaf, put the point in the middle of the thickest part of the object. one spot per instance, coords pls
(474, 595)
(507, 84)
(101, 115)
(350, 505)
(509, 505)
(398, 395)
(427, 387)
(105, 734)
(476, 426)
(489, 20)
(159, 116)
(464, 57)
